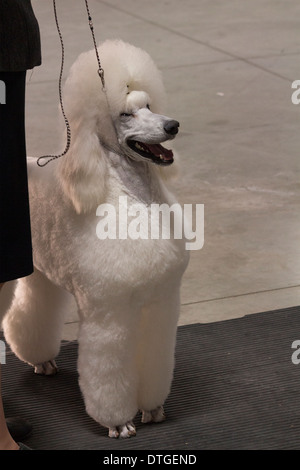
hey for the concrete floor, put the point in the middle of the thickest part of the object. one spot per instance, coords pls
(228, 69)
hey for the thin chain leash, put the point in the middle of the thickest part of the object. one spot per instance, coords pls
(100, 73)
(100, 69)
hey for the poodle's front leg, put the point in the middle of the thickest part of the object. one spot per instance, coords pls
(156, 354)
(107, 370)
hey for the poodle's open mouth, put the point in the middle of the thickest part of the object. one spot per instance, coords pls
(155, 152)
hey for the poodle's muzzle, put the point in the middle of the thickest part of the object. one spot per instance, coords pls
(141, 132)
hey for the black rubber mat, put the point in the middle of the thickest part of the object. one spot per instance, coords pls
(235, 387)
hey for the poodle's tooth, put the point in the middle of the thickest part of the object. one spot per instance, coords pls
(140, 147)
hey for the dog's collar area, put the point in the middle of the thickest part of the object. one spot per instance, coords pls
(155, 152)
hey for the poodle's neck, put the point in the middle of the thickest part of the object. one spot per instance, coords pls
(138, 178)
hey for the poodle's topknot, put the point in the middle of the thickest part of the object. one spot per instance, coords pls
(126, 68)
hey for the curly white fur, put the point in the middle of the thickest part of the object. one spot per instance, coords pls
(127, 291)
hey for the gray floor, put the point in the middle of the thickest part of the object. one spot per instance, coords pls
(228, 69)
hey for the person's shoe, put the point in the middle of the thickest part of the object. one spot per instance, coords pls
(18, 428)
(23, 447)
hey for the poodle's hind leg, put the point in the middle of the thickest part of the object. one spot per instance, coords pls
(156, 354)
(32, 325)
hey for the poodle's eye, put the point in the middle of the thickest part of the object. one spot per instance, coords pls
(148, 106)
(125, 114)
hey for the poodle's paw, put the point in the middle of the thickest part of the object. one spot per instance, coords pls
(123, 431)
(46, 368)
(154, 416)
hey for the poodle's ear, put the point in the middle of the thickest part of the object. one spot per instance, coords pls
(83, 170)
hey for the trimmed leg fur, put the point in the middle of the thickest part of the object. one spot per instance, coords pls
(34, 321)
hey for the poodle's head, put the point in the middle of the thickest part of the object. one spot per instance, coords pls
(126, 118)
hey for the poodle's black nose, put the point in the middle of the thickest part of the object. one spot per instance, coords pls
(171, 127)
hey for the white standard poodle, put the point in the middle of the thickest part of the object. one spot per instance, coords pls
(127, 289)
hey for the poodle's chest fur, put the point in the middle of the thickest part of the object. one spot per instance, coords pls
(70, 249)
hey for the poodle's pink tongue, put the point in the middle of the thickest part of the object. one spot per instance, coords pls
(159, 151)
